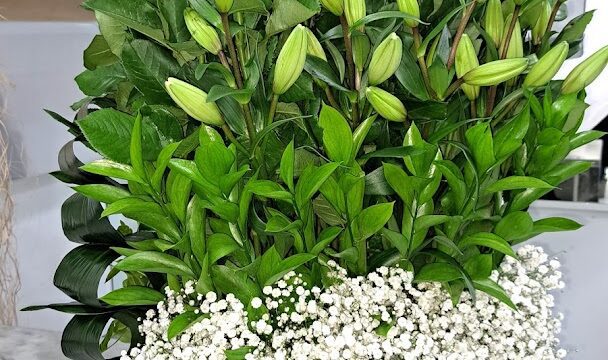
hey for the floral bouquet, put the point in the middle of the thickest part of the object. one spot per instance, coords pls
(346, 180)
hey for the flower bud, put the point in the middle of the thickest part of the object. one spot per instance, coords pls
(516, 45)
(545, 69)
(204, 34)
(540, 28)
(223, 6)
(290, 62)
(586, 72)
(314, 46)
(409, 7)
(334, 6)
(354, 10)
(495, 72)
(466, 60)
(385, 60)
(494, 21)
(386, 104)
(194, 102)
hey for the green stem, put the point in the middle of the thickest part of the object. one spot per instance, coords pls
(423, 66)
(272, 110)
(233, 139)
(349, 51)
(455, 86)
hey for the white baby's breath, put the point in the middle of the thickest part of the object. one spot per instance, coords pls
(381, 316)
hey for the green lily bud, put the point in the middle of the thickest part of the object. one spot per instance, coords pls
(545, 69)
(466, 60)
(494, 21)
(290, 62)
(314, 46)
(204, 34)
(334, 6)
(495, 72)
(516, 45)
(385, 60)
(223, 6)
(386, 104)
(540, 28)
(409, 7)
(586, 72)
(354, 10)
(194, 102)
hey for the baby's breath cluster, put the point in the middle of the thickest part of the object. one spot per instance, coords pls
(384, 315)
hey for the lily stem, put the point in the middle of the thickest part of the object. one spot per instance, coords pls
(461, 27)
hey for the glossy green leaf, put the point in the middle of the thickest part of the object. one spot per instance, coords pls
(489, 240)
(150, 261)
(437, 272)
(518, 182)
(287, 165)
(220, 245)
(102, 192)
(371, 220)
(311, 180)
(493, 289)
(337, 136)
(133, 295)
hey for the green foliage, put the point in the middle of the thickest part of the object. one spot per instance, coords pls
(286, 182)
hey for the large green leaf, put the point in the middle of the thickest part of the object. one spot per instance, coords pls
(82, 335)
(151, 261)
(440, 272)
(139, 15)
(493, 289)
(489, 240)
(480, 141)
(311, 180)
(148, 66)
(102, 192)
(98, 53)
(109, 132)
(371, 220)
(518, 182)
(102, 80)
(288, 13)
(82, 223)
(80, 272)
(337, 136)
(133, 295)
(236, 282)
(173, 13)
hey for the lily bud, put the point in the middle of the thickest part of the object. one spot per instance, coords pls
(194, 102)
(586, 72)
(334, 6)
(354, 10)
(545, 69)
(385, 60)
(494, 21)
(516, 45)
(290, 62)
(386, 104)
(412, 8)
(204, 34)
(495, 72)
(466, 60)
(223, 6)
(314, 46)
(540, 28)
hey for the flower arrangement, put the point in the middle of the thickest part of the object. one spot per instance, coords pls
(334, 180)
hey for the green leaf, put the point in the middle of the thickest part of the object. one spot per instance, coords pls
(98, 53)
(207, 11)
(554, 224)
(178, 193)
(517, 182)
(371, 220)
(403, 184)
(509, 137)
(384, 15)
(574, 30)
(82, 223)
(489, 240)
(311, 180)
(288, 13)
(427, 221)
(151, 261)
(248, 6)
(320, 69)
(479, 266)
(102, 80)
(114, 32)
(437, 272)
(479, 140)
(493, 289)
(585, 137)
(455, 180)
(133, 295)
(236, 282)
(79, 273)
(173, 13)
(269, 189)
(148, 66)
(182, 322)
(102, 192)
(287, 265)
(220, 245)
(398, 240)
(81, 337)
(514, 226)
(109, 131)
(135, 149)
(161, 165)
(437, 30)
(337, 136)
(392, 152)
(360, 134)
(139, 15)
(325, 238)
(243, 96)
(287, 165)
(112, 169)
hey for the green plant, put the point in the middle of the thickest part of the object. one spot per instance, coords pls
(244, 162)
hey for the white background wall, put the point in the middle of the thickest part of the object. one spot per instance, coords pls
(41, 60)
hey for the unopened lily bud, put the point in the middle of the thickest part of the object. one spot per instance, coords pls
(385, 60)
(586, 72)
(545, 69)
(495, 72)
(314, 46)
(204, 34)
(290, 62)
(494, 21)
(194, 102)
(223, 6)
(466, 60)
(516, 45)
(540, 28)
(334, 6)
(386, 104)
(412, 8)
(354, 10)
